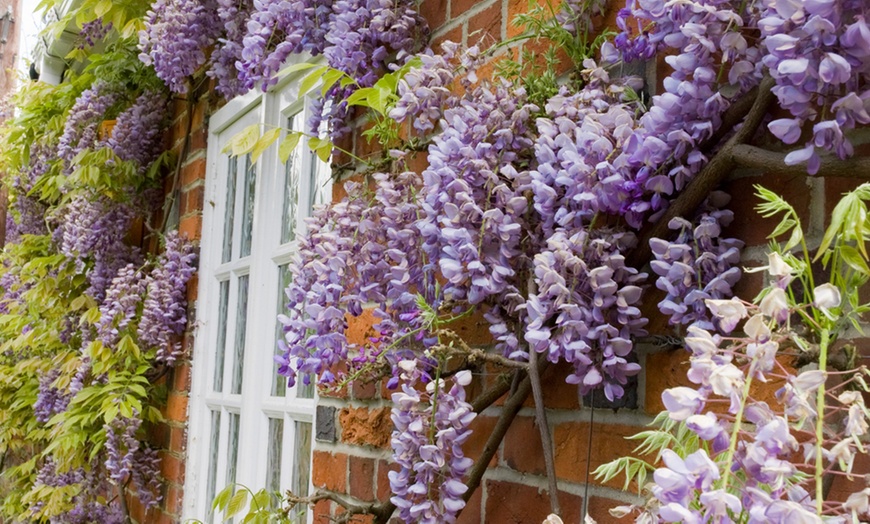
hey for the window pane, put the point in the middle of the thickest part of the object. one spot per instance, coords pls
(233, 449)
(241, 327)
(214, 441)
(230, 211)
(223, 304)
(302, 468)
(304, 390)
(292, 175)
(248, 211)
(321, 185)
(279, 382)
(275, 445)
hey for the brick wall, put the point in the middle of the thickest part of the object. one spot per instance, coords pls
(352, 451)
(184, 191)
(351, 458)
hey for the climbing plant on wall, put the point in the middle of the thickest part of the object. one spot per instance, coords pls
(541, 205)
(90, 321)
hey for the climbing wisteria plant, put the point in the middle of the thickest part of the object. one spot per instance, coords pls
(540, 206)
(91, 321)
(731, 453)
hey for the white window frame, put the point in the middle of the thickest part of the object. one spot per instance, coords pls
(256, 403)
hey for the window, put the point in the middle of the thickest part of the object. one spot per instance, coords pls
(246, 425)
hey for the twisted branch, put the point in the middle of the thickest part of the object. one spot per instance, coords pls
(773, 162)
(709, 178)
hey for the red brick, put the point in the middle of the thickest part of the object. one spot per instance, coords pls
(198, 140)
(172, 502)
(366, 427)
(329, 471)
(485, 26)
(383, 483)
(192, 200)
(473, 329)
(842, 486)
(668, 369)
(460, 7)
(571, 449)
(454, 35)
(176, 407)
(365, 390)
(359, 329)
(481, 427)
(192, 289)
(522, 447)
(181, 378)
(599, 509)
(137, 510)
(517, 7)
(471, 512)
(191, 227)
(435, 12)
(362, 477)
(194, 171)
(509, 503)
(322, 512)
(162, 518)
(177, 439)
(558, 394)
(171, 468)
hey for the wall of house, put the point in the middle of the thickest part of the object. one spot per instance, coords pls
(352, 448)
(184, 190)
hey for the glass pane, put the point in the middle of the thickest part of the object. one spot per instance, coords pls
(302, 469)
(233, 449)
(279, 382)
(248, 211)
(222, 336)
(292, 175)
(276, 443)
(230, 212)
(321, 185)
(213, 456)
(241, 328)
(304, 390)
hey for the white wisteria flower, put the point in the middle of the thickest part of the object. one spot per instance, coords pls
(827, 297)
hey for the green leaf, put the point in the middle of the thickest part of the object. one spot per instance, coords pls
(296, 68)
(361, 97)
(329, 79)
(324, 151)
(244, 141)
(236, 504)
(127, 346)
(220, 501)
(308, 83)
(263, 143)
(103, 7)
(853, 258)
(796, 236)
(262, 499)
(78, 303)
(288, 145)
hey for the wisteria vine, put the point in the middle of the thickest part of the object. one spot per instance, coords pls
(94, 320)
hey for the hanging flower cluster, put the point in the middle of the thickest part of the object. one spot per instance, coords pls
(361, 38)
(817, 52)
(430, 428)
(696, 266)
(107, 315)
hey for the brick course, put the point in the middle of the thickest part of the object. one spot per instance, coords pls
(356, 464)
